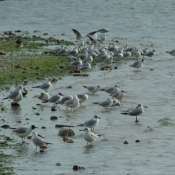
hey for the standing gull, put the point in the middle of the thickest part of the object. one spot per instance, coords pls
(23, 131)
(45, 86)
(106, 103)
(111, 90)
(72, 103)
(172, 52)
(119, 95)
(38, 141)
(135, 112)
(91, 123)
(93, 89)
(16, 95)
(90, 136)
(82, 98)
(138, 64)
(55, 99)
(44, 96)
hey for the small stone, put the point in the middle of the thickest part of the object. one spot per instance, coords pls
(45, 33)
(43, 127)
(58, 164)
(37, 113)
(53, 118)
(125, 142)
(29, 137)
(69, 86)
(54, 108)
(65, 139)
(41, 151)
(5, 126)
(137, 141)
(115, 67)
(15, 104)
(75, 167)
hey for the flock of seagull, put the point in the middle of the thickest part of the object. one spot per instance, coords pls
(81, 57)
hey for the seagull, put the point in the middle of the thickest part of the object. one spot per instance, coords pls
(150, 53)
(82, 98)
(94, 41)
(78, 37)
(119, 95)
(38, 141)
(138, 64)
(91, 123)
(90, 136)
(55, 99)
(172, 52)
(16, 95)
(135, 112)
(85, 67)
(23, 131)
(76, 63)
(115, 103)
(44, 96)
(106, 103)
(72, 103)
(93, 89)
(111, 90)
(45, 86)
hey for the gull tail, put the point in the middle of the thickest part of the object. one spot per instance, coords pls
(85, 86)
(124, 113)
(36, 87)
(80, 125)
(47, 143)
(96, 103)
(4, 98)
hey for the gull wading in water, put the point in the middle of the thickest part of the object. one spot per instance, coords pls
(45, 86)
(44, 96)
(135, 112)
(106, 103)
(16, 95)
(91, 123)
(111, 90)
(82, 98)
(23, 131)
(38, 141)
(55, 99)
(72, 103)
(138, 64)
(93, 89)
(90, 136)
(119, 95)
(172, 52)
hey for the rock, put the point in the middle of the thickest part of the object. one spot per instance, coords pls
(125, 142)
(58, 164)
(43, 127)
(65, 139)
(76, 167)
(70, 86)
(29, 137)
(61, 126)
(137, 141)
(54, 108)
(2, 53)
(5, 126)
(66, 132)
(15, 104)
(53, 118)
(37, 113)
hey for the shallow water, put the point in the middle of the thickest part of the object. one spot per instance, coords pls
(140, 23)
